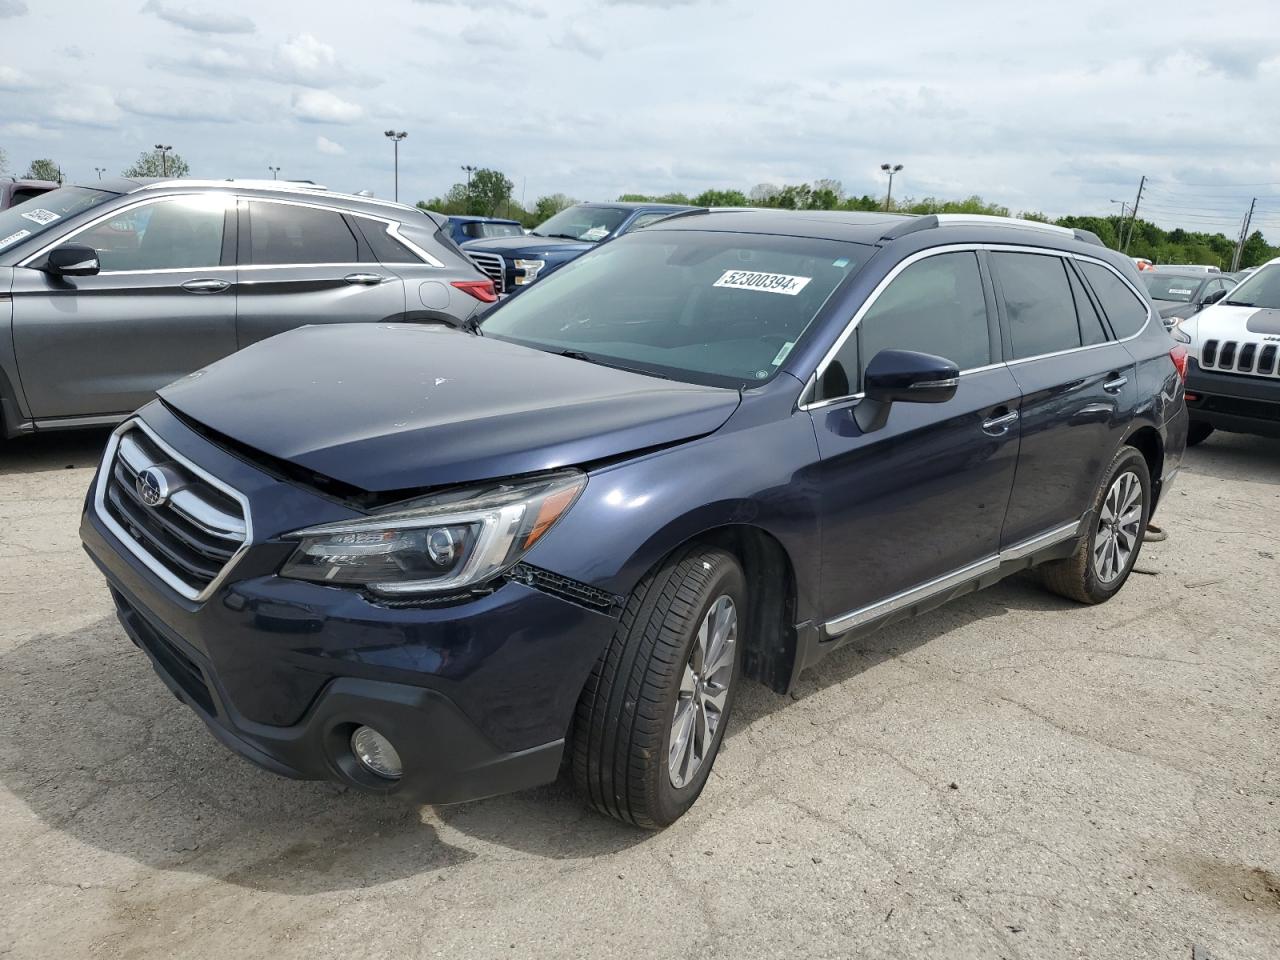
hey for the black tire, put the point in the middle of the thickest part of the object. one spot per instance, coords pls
(1076, 577)
(623, 725)
(1198, 432)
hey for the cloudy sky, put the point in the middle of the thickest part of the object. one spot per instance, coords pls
(1051, 106)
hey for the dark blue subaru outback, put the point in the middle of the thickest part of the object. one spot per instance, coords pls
(432, 562)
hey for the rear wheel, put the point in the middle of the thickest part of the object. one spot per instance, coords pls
(1198, 432)
(651, 719)
(1106, 554)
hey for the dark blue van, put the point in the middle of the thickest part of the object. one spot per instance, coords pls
(436, 563)
(512, 263)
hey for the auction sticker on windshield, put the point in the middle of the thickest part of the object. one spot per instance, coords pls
(41, 217)
(762, 282)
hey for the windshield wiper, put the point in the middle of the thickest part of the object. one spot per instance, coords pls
(560, 236)
(1236, 303)
(579, 355)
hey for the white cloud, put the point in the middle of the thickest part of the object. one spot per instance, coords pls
(303, 57)
(485, 35)
(29, 131)
(199, 20)
(13, 80)
(320, 106)
(91, 106)
(12, 8)
(326, 146)
(580, 40)
(490, 6)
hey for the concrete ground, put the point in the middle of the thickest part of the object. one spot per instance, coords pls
(1010, 776)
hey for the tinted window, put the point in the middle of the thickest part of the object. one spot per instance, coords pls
(1038, 303)
(385, 247)
(707, 307)
(166, 235)
(1121, 305)
(1165, 286)
(934, 306)
(489, 230)
(285, 233)
(1092, 329)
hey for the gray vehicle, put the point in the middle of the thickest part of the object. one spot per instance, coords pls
(113, 289)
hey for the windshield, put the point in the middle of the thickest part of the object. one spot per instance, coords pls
(1260, 290)
(582, 223)
(33, 217)
(1163, 286)
(719, 309)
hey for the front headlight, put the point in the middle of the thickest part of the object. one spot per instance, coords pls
(1178, 332)
(530, 270)
(446, 542)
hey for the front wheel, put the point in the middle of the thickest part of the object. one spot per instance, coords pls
(652, 716)
(1106, 554)
(1198, 432)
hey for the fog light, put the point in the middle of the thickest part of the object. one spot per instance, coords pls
(376, 753)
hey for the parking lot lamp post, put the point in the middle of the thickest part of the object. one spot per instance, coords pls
(101, 171)
(890, 169)
(468, 169)
(395, 136)
(164, 158)
(274, 171)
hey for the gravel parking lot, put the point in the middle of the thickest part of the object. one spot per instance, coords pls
(1010, 776)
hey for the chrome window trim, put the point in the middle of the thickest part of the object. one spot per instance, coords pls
(172, 580)
(810, 383)
(126, 208)
(948, 581)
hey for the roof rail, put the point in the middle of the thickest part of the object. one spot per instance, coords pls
(301, 185)
(932, 220)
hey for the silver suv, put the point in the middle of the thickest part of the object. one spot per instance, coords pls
(112, 289)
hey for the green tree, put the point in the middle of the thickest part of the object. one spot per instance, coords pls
(489, 190)
(151, 163)
(548, 206)
(1256, 251)
(44, 169)
(721, 198)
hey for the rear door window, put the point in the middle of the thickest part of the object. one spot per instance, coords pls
(1127, 313)
(285, 233)
(1038, 303)
(1092, 329)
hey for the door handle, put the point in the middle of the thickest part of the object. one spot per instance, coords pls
(206, 286)
(364, 279)
(1115, 383)
(998, 426)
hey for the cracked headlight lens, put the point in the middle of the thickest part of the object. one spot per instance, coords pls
(448, 541)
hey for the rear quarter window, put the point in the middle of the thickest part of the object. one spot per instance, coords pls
(1126, 311)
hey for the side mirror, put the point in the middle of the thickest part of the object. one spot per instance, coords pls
(73, 260)
(903, 376)
(1213, 297)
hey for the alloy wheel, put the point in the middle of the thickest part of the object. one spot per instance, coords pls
(704, 690)
(1119, 524)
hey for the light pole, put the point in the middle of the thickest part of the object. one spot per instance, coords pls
(890, 169)
(1124, 208)
(101, 171)
(469, 170)
(395, 137)
(164, 158)
(274, 171)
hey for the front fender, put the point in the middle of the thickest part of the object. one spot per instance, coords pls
(634, 513)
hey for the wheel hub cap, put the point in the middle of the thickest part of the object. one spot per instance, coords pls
(1119, 525)
(704, 691)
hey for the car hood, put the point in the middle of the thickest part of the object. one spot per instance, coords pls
(531, 248)
(1224, 322)
(389, 407)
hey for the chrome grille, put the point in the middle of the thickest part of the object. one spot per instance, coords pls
(1233, 356)
(191, 538)
(492, 266)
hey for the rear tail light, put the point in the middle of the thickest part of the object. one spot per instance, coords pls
(1192, 397)
(482, 290)
(1179, 357)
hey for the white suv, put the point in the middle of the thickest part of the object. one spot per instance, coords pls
(1234, 378)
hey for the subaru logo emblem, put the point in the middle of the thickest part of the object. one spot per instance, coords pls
(152, 487)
